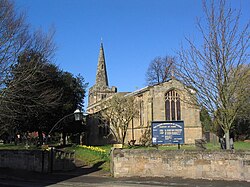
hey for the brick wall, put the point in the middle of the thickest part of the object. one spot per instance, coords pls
(180, 163)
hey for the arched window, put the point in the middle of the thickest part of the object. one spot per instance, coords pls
(172, 105)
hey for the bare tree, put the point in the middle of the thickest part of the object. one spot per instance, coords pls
(160, 69)
(13, 36)
(214, 70)
(42, 43)
(22, 73)
(16, 38)
(15, 42)
(119, 111)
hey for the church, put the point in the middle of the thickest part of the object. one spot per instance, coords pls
(168, 101)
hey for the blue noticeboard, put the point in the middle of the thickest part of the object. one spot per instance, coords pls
(168, 132)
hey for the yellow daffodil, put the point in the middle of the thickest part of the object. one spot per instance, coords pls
(97, 149)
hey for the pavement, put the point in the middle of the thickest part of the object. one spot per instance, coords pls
(93, 176)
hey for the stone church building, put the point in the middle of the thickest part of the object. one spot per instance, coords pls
(162, 102)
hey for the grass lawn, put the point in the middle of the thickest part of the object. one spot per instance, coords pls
(210, 146)
(164, 147)
(242, 146)
(16, 147)
(93, 155)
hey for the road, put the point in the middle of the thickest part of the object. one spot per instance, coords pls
(89, 177)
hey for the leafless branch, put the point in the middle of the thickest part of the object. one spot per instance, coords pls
(215, 69)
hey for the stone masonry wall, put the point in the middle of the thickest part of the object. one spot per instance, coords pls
(36, 160)
(180, 163)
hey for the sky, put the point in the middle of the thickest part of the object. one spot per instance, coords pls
(133, 33)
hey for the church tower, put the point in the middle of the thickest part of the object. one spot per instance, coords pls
(100, 90)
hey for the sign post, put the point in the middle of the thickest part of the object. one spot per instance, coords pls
(167, 132)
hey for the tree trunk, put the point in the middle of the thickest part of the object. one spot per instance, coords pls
(227, 139)
(124, 134)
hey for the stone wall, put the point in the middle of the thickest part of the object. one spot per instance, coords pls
(180, 163)
(31, 160)
(37, 160)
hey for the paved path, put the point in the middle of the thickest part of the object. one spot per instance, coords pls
(86, 176)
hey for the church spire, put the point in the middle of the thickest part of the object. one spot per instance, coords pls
(100, 90)
(101, 74)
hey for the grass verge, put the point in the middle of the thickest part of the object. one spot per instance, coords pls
(244, 146)
(16, 147)
(93, 155)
